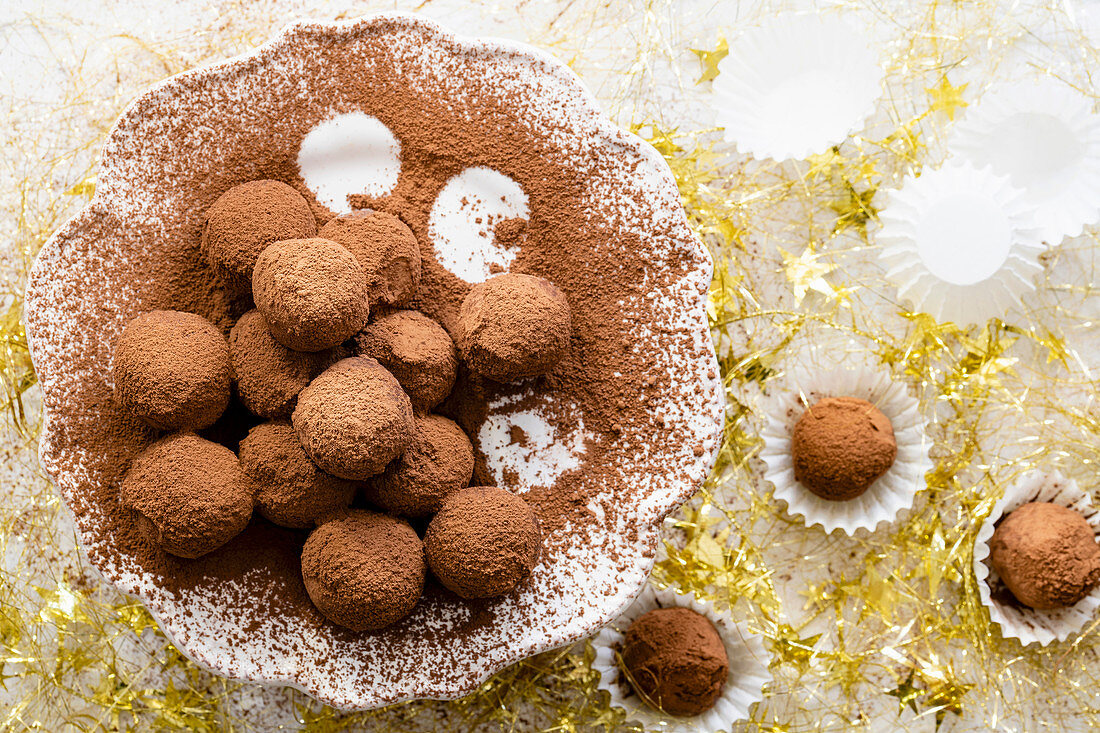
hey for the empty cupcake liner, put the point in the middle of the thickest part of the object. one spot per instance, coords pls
(892, 493)
(1044, 136)
(748, 667)
(795, 85)
(960, 243)
(1017, 621)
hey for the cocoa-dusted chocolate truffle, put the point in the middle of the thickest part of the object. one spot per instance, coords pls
(290, 489)
(1046, 554)
(417, 350)
(245, 220)
(172, 370)
(354, 418)
(386, 249)
(189, 496)
(675, 659)
(483, 541)
(439, 460)
(840, 446)
(513, 326)
(364, 571)
(269, 375)
(311, 292)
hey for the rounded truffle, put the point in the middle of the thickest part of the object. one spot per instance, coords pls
(311, 292)
(290, 490)
(1046, 554)
(245, 220)
(172, 370)
(840, 446)
(354, 418)
(269, 375)
(513, 326)
(386, 249)
(438, 461)
(416, 350)
(675, 659)
(189, 496)
(483, 542)
(364, 571)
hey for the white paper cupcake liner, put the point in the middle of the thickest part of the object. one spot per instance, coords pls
(748, 667)
(795, 85)
(1044, 136)
(1017, 621)
(892, 493)
(960, 243)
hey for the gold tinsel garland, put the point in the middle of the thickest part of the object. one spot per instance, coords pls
(890, 633)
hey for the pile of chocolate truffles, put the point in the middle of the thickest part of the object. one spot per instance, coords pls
(346, 376)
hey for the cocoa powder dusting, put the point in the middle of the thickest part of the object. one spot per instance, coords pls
(438, 461)
(364, 570)
(387, 250)
(483, 542)
(187, 495)
(674, 658)
(417, 350)
(1046, 554)
(840, 446)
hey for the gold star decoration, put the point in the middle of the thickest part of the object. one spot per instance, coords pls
(710, 60)
(906, 693)
(947, 98)
(854, 209)
(845, 670)
(807, 272)
(931, 687)
(788, 648)
(945, 692)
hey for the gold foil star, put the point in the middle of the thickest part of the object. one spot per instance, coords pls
(710, 60)
(947, 98)
(946, 697)
(807, 272)
(906, 693)
(854, 210)
(844, 670)
(788, 648)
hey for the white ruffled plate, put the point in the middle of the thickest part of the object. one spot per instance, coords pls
(748, 667)
(960, 243)
(892, 493)
(1017, 621)
(90, 279)
(1044, 136)
(795, 85)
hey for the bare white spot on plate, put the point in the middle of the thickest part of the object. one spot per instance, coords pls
(526, 443)
(351, 153)
(464, 216)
